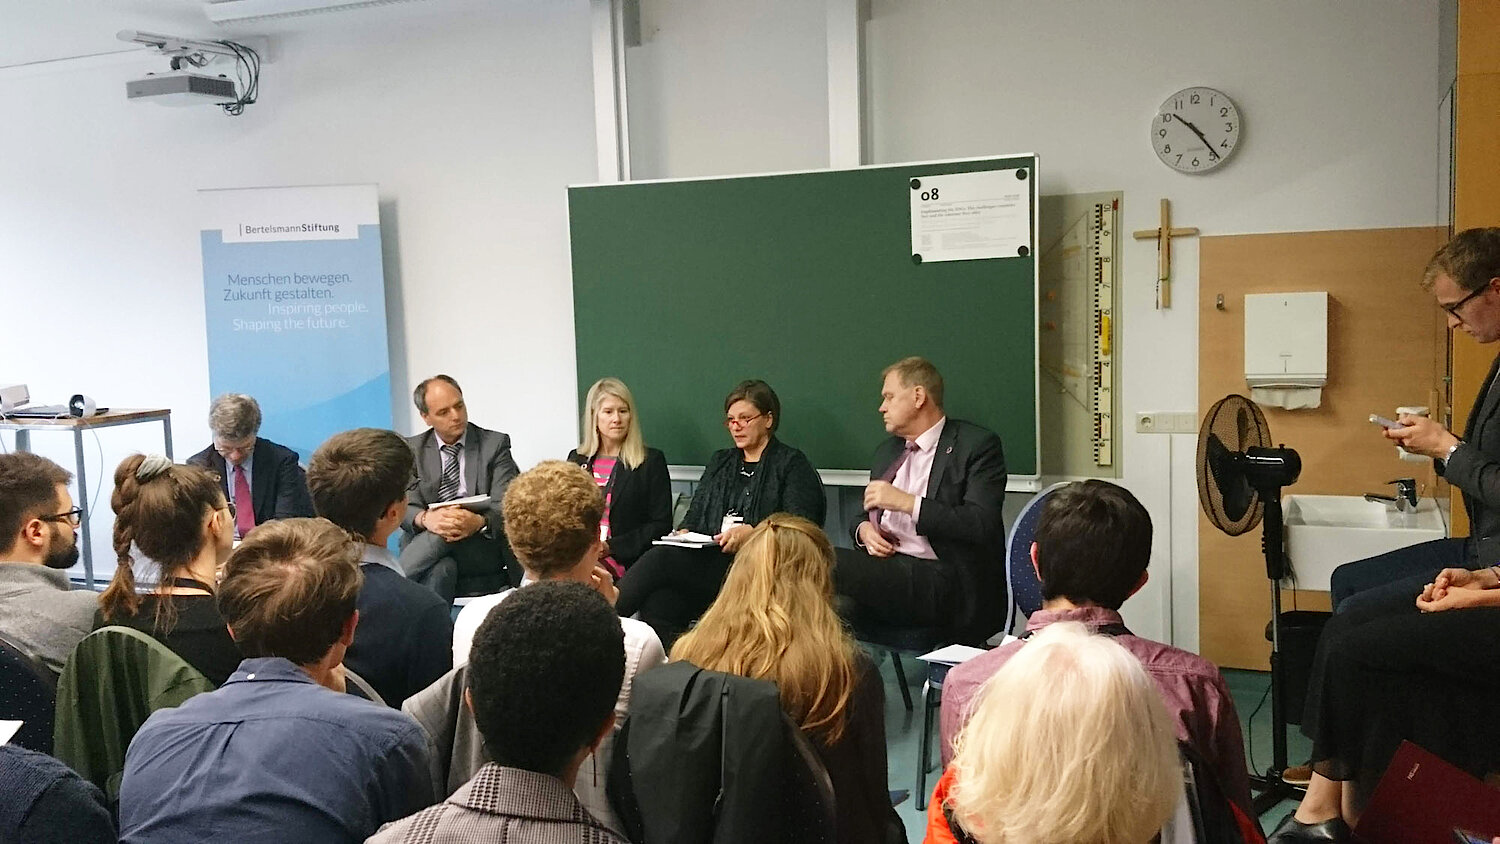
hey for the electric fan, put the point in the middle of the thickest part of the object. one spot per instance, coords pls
(1240, 477)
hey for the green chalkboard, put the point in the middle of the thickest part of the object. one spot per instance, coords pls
(683, 288)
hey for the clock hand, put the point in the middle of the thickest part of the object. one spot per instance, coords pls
(1206, 144)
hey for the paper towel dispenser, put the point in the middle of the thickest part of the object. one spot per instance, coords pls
(1286, 348)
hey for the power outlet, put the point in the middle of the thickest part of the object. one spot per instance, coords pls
(1166, 422)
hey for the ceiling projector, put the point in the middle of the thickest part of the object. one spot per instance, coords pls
(181, 88)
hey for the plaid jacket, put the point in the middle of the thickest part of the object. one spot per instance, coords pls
(502, 804)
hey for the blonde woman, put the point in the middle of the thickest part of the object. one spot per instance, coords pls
(637, 491)
(1068, 744)
(774, 620)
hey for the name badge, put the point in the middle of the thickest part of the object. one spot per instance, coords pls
(730, 520)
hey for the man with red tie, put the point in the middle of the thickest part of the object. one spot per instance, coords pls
(931, 548)
(261, 478)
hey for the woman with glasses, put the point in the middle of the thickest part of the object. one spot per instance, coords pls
(774, 620)
(177, 517)
(671, 586)
(637, 490)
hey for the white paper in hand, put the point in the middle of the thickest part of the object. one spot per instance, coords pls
(686, 539)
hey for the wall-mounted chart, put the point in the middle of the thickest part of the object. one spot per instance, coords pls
(1077, 315)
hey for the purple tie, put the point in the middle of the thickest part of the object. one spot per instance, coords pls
(244, 510)
(888, 476)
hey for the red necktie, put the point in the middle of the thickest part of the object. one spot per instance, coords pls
(889, 475)
(244, 510)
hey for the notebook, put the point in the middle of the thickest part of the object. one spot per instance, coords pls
(1422, 799)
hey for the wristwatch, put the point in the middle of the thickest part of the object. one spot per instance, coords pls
(1449, 455)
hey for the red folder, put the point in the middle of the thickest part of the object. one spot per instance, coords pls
(1422, 799)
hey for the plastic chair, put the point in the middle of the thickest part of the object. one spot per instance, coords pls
(1025, 588)
(28, 693)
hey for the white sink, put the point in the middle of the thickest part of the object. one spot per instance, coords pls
(1325, 531)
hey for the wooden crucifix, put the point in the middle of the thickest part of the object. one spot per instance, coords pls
(1164, 237)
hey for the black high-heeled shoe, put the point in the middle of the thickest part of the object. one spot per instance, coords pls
(1293, 831)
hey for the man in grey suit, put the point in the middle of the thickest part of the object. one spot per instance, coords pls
(455, 459)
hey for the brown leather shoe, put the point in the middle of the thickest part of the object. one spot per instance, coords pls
(1298, 775)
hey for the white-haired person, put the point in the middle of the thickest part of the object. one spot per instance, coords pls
(637, 489)
(1069, 743)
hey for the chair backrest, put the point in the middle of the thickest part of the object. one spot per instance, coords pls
(1025, 589)
(360, 687)
(699, 757)
(113, 681)
(1206, 813)
(28, 693)
(811, 810)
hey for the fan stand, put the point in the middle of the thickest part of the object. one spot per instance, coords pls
(1273, 789)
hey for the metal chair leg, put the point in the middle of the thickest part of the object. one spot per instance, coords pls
(901, 679)
(924, 748)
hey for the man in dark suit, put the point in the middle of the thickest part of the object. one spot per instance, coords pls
(1464, 277)
(931, 548)
(455, 459)
(261, 478)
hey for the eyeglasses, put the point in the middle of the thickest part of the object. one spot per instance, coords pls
(230, 449)
(1454, 308)
(73, 517)
(741, 421)
(229, 505)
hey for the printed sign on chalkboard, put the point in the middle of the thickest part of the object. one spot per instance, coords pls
(967, 216)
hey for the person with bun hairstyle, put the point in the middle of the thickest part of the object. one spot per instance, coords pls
(179, 519)
(637, 489)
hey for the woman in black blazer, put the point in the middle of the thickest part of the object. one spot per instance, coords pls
(671, 586)
(637, 491)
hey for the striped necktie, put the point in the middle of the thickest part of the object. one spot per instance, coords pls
(448, 488)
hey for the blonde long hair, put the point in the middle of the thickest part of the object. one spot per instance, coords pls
(1069, 743)
(774, 620)
(633, 450)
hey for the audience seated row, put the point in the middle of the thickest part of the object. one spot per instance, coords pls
(305, 603)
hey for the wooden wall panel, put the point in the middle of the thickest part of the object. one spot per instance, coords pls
(1476, 181)
(1383, 335)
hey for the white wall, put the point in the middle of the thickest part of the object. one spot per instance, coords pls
(719, 87)
(1339, 103)
(472, 124)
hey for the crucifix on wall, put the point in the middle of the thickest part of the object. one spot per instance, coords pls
(1164, 235)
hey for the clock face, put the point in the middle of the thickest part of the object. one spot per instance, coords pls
(1195, 130)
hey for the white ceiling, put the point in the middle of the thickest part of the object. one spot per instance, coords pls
(46, 30)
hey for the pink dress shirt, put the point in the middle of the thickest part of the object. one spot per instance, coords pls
(912, 478)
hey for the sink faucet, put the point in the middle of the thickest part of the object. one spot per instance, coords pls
(1405, 498)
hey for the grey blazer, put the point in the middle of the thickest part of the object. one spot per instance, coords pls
(1475, 469)
(488, 468)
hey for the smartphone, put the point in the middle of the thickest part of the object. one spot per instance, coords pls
(1386, 423)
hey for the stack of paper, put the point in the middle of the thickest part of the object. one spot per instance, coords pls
(473, 502)
(686, 539)
(951, 655)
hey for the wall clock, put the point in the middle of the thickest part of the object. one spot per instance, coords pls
(1195, 130)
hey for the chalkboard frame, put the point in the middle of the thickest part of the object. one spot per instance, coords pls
(659, 265)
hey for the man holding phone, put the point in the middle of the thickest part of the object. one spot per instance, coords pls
(1464, 277)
